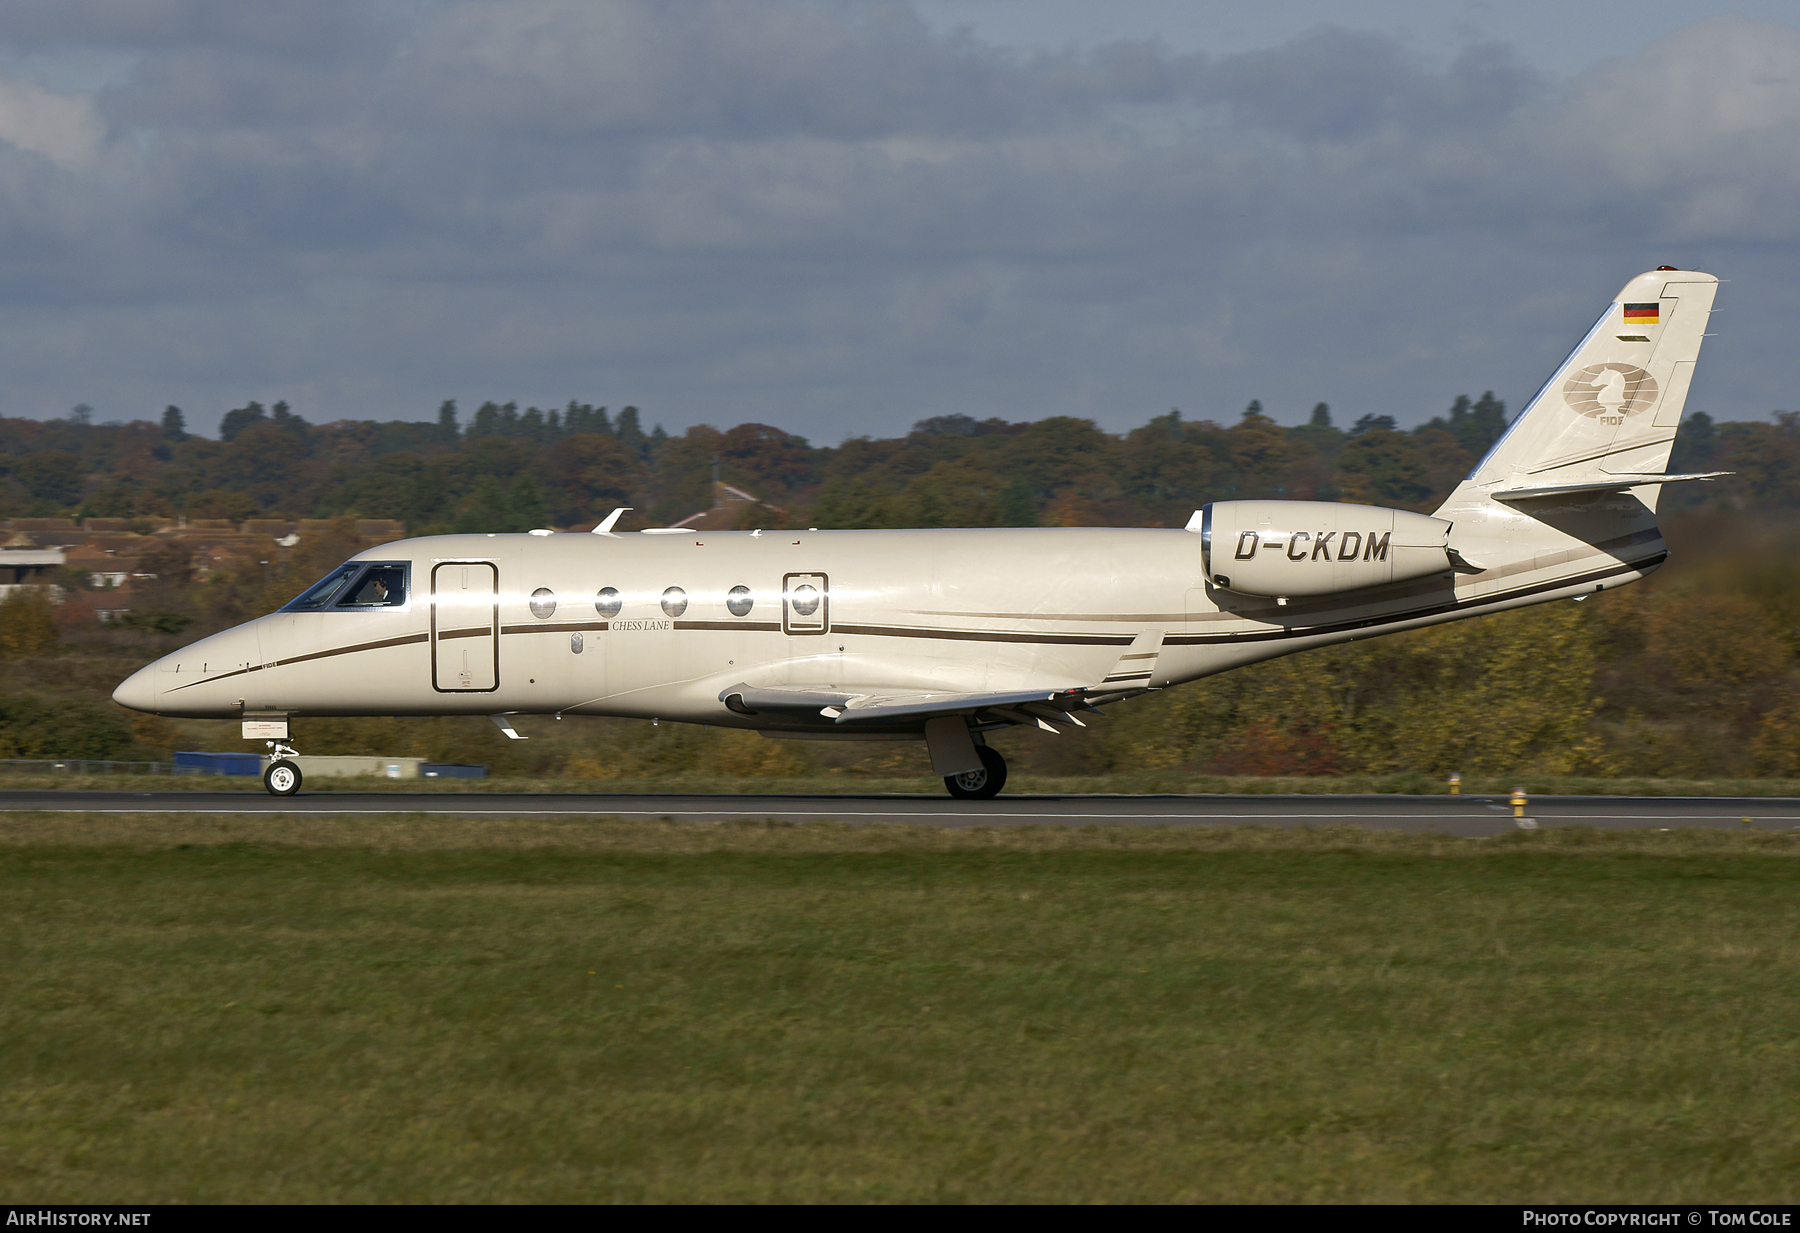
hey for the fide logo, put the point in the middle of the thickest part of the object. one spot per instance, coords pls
(1610, 392)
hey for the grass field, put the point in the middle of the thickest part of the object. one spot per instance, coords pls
(418, 1009)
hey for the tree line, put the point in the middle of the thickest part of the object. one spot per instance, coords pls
(508, 469)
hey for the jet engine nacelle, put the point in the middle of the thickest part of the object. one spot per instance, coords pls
(1285, 548)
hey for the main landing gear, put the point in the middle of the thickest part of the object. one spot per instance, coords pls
(282, 778)
(982, 784)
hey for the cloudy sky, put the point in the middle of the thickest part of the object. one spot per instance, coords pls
(840, 216)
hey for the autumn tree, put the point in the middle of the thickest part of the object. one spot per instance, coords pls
(772, 463)
(588, 474)
(27, 625)
(1382, 467)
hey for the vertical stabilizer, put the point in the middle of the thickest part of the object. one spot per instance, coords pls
(1612, 408)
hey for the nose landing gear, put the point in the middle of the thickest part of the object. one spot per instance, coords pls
(282, 777)
(982, 784)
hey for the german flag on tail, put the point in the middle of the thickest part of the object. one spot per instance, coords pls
(1642, 314)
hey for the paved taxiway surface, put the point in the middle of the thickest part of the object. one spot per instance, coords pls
(1455, 815)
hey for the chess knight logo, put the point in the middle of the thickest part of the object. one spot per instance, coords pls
(1610, 392)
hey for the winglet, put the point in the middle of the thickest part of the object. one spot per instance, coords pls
(610, 521)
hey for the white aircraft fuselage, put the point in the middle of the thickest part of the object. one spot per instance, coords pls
(898, 612)
(947, 634)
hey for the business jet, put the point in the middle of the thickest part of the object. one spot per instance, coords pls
(946, 636)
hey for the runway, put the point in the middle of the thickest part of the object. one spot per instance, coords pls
(1453, 815)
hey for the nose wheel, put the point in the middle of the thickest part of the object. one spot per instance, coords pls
(282, 777)
(982, 784)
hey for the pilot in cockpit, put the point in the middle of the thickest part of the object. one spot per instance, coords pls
(380, 588)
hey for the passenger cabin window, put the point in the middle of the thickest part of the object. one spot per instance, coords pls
(738, 601)
(607, 602)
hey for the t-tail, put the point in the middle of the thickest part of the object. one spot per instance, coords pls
(1569, 492)
(1606, 420)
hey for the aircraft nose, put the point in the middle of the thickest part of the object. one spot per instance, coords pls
(138, 691)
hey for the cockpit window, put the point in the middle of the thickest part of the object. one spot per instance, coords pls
(381, 586)
(321, 593)
(355, 584)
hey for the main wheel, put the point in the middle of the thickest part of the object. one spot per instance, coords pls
(982, 784)
(282, 778)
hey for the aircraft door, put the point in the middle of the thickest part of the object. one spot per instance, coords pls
(805, 604)
(465, 627)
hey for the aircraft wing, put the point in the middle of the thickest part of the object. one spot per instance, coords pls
(925, 705)
(1047, 708)
(1043, 706)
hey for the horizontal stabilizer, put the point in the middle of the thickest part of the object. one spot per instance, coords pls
(1615, 483)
